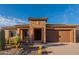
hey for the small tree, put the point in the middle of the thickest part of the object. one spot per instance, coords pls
(0, 44)
(17, 41)
(2, 39)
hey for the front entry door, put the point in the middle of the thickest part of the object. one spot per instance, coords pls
(37, 34)
(25, 34)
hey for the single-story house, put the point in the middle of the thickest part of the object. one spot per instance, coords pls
(39, 30)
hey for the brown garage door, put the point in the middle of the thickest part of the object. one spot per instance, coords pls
(64, 36)
(58, 35)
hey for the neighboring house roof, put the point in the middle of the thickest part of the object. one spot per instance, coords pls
(77, 26)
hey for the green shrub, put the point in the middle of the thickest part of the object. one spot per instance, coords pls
(27, 39)
(17, 41)
(0, 44)
(7, 41)
(2, 39)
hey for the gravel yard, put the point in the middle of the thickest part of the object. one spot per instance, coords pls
(12, 51)
(49, 49)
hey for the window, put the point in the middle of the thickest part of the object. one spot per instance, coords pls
(25, 33)
(12, 33)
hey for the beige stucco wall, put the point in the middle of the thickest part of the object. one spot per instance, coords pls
(7, 35)
(38, 24)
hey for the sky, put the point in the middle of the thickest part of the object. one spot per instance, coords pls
(13, 14)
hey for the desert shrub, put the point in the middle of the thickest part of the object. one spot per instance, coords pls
(17, 41)
(7, 41)
(27, 39)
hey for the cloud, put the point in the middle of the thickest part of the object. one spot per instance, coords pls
(8, 21)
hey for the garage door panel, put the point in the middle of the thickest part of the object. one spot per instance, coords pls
(52, 36)
(64, 36)
(58, 35)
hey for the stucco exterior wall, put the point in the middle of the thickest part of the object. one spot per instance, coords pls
(7, 35)
(38, 24)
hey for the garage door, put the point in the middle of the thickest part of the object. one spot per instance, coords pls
(64, 36)
(58, 35)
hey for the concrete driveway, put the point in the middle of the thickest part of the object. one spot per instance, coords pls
(63, 48)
